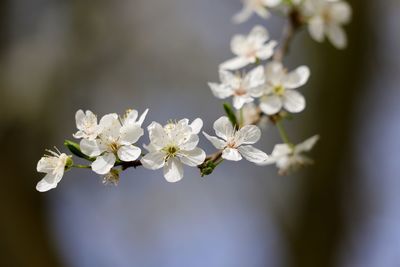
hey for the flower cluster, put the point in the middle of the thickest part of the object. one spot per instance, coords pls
(322, 17)
(264, 93)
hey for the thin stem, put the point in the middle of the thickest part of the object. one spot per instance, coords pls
(283, 133)
(81, 166)
(241, 118)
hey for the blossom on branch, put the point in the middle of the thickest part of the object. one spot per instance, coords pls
(115, 141)
(326, 18)
(279, 89)
(248, 49)
(260, 7)
(243, 88)
(173, 145)
(289, 158)
(53, 165)
(87, 125)
(237, 143)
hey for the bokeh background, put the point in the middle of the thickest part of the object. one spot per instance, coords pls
(57, 56)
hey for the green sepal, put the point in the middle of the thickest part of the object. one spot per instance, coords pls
(207, 168)
(76, 150)
(231, 115)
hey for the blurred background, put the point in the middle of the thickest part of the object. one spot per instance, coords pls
(58, 56)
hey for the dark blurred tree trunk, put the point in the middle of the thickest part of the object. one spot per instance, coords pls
(319, 229)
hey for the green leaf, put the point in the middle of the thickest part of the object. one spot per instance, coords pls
(76, 150)
(231, 115)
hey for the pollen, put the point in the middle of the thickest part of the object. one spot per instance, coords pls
(171, 151)
(279, 90)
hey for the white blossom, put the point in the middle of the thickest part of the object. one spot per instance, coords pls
(289, 158)
(87, 125)
(248, 49)
(173, 145)
(235, 144)
(115, 141)
(279, 89)
(243, 89)
(326, 18)
(260, 7)
(53, 165)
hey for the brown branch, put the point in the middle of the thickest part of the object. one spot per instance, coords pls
(294, 23)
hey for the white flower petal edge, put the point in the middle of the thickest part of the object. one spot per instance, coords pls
(53, 165)
(231, 141)
(173, 145)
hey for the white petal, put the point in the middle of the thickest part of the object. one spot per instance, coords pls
(239, 101)
(79, 118)
(293, 101)
(173, 170)
(296, 78)
(248, 134)
(218, 143)
(46, 164)
(253, 154)
(48, 182)
(316, 28)
(337, 36)
(110, 125)
(131, 116)
(92, 148)
(231, 154)
(239, 44)
(193, 157)
(129, 153)
(271, 3)
(271, 104)
(189, 143)
(235, 63)
(340, 12)
(258, 34)
(142, 117)
(158, 136)
(223, 128)
(254, 78)
(274, 72)
(196, 125)
(307, 145)
(281, 150)
(267, 50)
(130, 133)
(220, 91)
(153, 160)
(103, 164)
(226, 77)
(262, 12)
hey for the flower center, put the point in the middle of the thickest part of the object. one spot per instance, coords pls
(114, 146)
(231, 143)
(279, 90)
(240, 91)
(171, 151)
